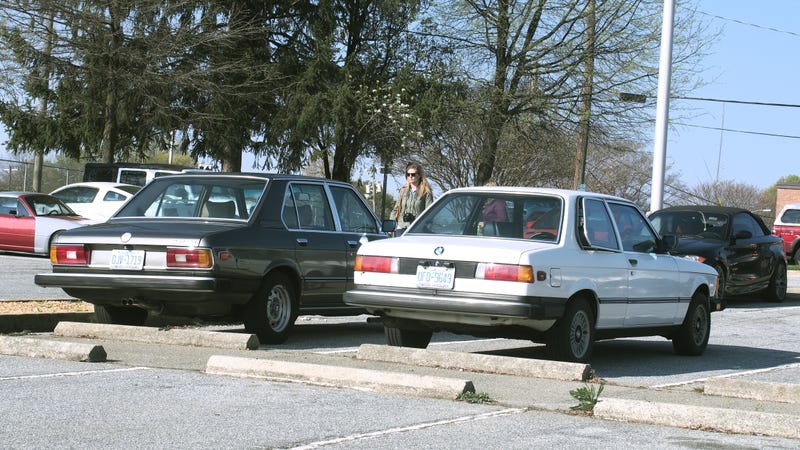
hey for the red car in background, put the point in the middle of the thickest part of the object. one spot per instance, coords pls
(29, 220)
(787, 226)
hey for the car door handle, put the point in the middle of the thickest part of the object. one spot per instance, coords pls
(633, 262)
(352, 244)
(303, 242)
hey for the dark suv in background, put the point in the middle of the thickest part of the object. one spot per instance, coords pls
(787, 226)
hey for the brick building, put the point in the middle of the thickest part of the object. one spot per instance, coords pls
(786, 193)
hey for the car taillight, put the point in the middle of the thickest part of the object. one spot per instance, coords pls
(69, 254)
(383, 264)
(504, 272)
(195, 258)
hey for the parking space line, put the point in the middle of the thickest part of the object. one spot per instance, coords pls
(373, 434)
(727, 375)
(72, 374)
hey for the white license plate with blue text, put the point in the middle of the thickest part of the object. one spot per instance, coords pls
(436, 277)
(127, 259)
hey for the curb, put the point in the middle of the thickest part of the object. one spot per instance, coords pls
(39, 322)
(354, 378)
(756, 390)
(699, 417)
(37, 348)
(174, 336)
(501, 365)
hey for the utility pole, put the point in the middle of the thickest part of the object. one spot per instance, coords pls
(579, 177)
(662, 107)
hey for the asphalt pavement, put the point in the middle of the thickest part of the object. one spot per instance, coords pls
(758, 402)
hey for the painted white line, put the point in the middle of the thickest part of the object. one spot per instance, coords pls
(727, 375)
(72, 374)
(362, 436)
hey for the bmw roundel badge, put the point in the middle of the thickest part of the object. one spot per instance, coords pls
(438, 251)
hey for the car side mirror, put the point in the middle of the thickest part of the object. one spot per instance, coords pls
(388, 225)
(669, 242)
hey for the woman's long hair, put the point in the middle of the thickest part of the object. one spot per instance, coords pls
(423, 182)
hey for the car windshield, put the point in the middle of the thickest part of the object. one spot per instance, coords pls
(488, 214)
(691, 223)
(46, 205)
(202, 197)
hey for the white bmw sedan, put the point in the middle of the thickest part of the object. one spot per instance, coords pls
(560, 267)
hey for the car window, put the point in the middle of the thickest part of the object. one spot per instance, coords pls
(745, 222)
(45, 205)
(353, 214)
(133, 176)
(598, 229)
(77, 194)
(112, 196)
(493, 215)
(306, 207)
(791, 216)
(207, 197)
(636, 236)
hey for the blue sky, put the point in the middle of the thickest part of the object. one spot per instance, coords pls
(756, 59)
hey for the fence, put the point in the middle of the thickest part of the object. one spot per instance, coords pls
(17, 175)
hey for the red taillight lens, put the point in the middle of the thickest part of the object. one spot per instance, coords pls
(69, 254)
(504, 272)
(195, 258)
(383, 264)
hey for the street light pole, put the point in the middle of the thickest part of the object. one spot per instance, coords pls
(662, 107)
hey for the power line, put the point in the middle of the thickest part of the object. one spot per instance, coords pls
(741, 22)
(788, 136)
(740, 102)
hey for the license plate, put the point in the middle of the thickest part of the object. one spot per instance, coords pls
(127, 259)
(436, 277)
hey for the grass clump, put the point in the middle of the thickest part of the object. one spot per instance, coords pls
(587, 397)
(474, 397)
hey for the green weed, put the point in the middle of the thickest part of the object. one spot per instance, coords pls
(474, 397)
(587, 396)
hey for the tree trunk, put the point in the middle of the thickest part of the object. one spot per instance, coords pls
(44, 74)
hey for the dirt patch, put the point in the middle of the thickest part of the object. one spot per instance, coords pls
(45, 306)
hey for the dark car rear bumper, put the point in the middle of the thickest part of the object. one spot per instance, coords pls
(182, 295)
(376, 300)
(117, 281)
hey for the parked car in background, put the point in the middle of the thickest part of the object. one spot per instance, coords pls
(30, 220)
(594, 269)
(787, 227)
(260, 248)
(96, 200)
(734, 241)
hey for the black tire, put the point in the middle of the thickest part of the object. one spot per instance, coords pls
(796, 257)
(572, 336)
(272, 311)
(692, 336)
(776, 291)
(120, 315)
(401, 337)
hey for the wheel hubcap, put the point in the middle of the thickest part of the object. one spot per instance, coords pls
(580, 334)
(278, 308)
(699, 326)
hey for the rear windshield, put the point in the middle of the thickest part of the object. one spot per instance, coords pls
(536, 217)
(203, 197)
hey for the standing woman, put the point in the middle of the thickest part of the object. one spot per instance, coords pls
(415, 196)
